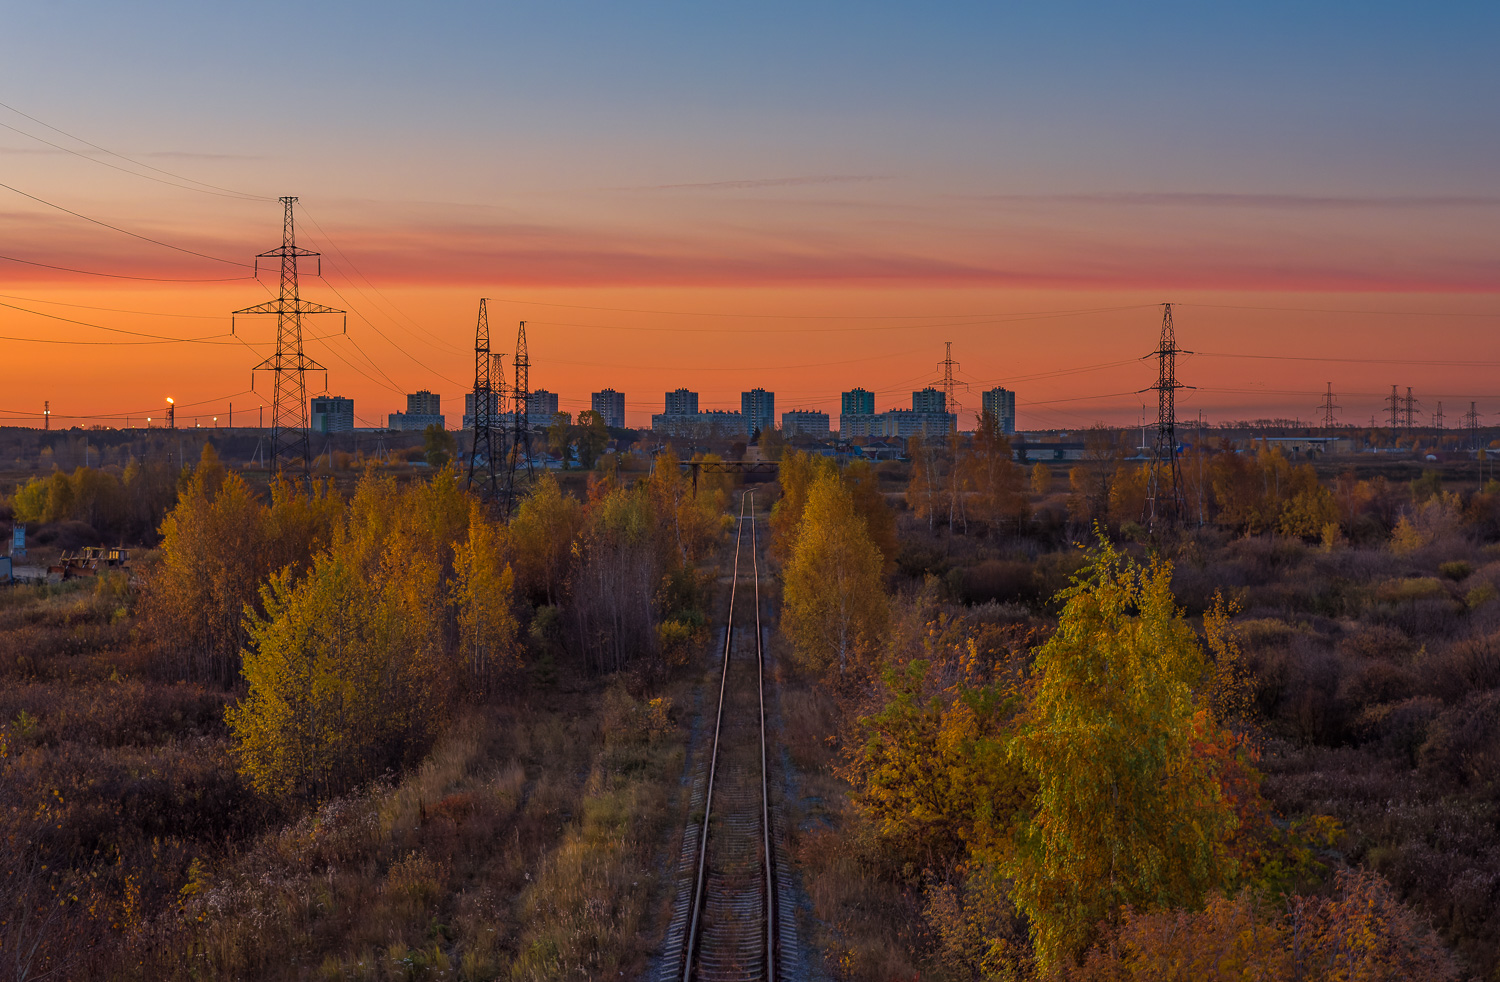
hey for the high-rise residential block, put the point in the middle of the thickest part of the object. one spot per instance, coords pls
(929, 400)
(541, 407)
(759, 409)
(1000, 403)
(332, 414)
(424, 403)
(857, 402)
(681, 402)
(610, 405)
(806, 424)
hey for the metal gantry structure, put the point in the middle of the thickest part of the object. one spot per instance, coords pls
(290, 364)
(483, 446)
(948, 365)
(520, 440)
(1329, 407)
(1164, 502)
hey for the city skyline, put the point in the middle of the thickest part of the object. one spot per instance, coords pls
(1316, 198)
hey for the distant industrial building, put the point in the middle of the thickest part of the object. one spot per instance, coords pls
(541, 407)
(1001, 403)
(610, 405)
(804, 424)
(332, 414)
(423, 409)
(759, 409)
(680, 402)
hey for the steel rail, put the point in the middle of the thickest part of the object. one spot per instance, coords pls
(765, 773)
(696, 910)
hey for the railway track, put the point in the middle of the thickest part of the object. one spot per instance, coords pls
(730, 922)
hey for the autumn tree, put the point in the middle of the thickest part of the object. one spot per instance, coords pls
(560, 435)
(1126, 813)
(1041, 478)
(542, 535)
(926, 482)
(438, 446)
(348, 668)
(834, 600)
(797, 473)
(1360, 934)
(620, 562)
(592, 438)
(869, 501)
(483, 592)
(991, 471)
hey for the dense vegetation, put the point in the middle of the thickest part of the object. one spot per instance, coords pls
(1259, 748)
(370, 729)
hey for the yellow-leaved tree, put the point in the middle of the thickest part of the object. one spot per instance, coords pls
(1126, 814)
(348, 669)
(835, 607)
(484, 590)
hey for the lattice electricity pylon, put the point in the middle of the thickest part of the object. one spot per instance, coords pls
(1471, 423)
(1394, 408)
(290, 364)
(520, 440)
(1329, 407)
(484, 404)
(1164, 502)
(1411, 409)
(948, 365)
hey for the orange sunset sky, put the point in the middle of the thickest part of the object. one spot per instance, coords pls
(801, 198)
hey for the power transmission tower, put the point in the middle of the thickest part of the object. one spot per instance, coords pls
(520, 440)
(1394, 408)
(1164, 503)
(290, 364)
(1471, 423)
(484, 404)
(1437, 418)
(948, 365)
(1411, 409)
(1328, 406)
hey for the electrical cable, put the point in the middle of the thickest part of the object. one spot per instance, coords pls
(391, 303)
(215, 187)
(685, 313)
(123, 276)
(114, 310)
(116, 228)
(156, 338)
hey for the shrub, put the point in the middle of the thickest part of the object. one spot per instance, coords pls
(1464, 741)
(1456, 570)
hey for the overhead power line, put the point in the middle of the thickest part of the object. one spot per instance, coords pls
(123, 231)
(126, 276)
(203, 186)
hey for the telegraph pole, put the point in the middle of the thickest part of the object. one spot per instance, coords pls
(1164, 493)
(290, 364)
